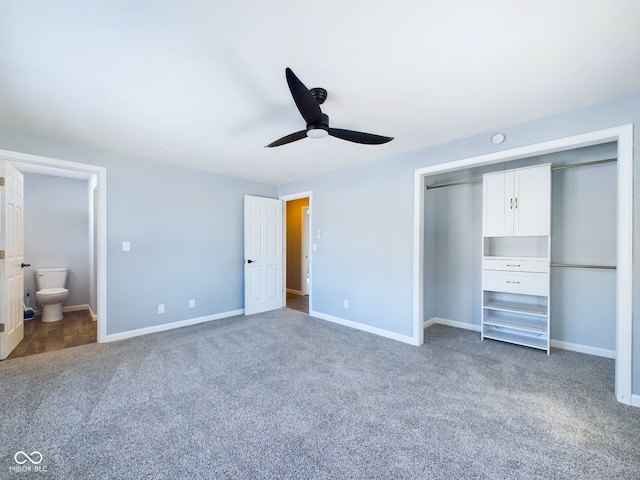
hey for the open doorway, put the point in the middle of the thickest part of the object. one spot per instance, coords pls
(297, 256)
(58, 234)
(91, 181)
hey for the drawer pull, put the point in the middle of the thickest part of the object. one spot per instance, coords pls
(513, 265)
(516, 283)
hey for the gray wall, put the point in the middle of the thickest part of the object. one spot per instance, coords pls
(367, 257)
(583, 232)
(185, 227)
(56, 232)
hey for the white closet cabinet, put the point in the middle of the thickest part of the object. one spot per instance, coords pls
(517, 202)
(516, 246)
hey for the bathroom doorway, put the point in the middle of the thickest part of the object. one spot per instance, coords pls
(85, 313)
(58, 230)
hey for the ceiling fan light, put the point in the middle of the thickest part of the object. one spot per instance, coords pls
(317, 133)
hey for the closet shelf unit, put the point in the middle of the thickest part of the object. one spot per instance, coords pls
(516, 247)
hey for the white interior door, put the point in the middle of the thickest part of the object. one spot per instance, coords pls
(11, 259)
(263, 255)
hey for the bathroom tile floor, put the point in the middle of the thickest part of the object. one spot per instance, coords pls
(76, 328)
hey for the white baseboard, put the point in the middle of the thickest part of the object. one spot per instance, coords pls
(635, 400)
(171, 326)
(364, 328)
(451, 323)
(75, 308)
(68, 308)
(574, 347)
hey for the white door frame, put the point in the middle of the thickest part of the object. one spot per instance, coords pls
(100, 221)
(306, 251)
(623, 135)
(285, 199)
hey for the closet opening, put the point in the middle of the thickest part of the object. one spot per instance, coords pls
(591, 237)
(580, 254)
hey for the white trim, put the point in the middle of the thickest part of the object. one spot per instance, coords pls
(363, 327)
(576, 347)
(635, 400)
(418, 257)
(170, 326)
(101, 220)
(623, 135)
(305, 241)
(286, 198)
(94, 317)
(69, 308)
(451, 323)
(76, 308)
(296, 196)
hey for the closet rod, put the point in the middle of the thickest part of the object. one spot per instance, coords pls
(477, 180)
(572, 265)
(560, 167)
(584, 164)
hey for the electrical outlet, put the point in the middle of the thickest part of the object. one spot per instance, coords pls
(161, 308)
(126, 246)
(346, 304)
(192, 303)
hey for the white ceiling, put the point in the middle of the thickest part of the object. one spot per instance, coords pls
(202, 83)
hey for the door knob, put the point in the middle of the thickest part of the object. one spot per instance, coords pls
(250, 261)
(25, 265)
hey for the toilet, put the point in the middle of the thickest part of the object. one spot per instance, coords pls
(51, 283)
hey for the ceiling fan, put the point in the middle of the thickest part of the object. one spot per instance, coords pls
(308, 102)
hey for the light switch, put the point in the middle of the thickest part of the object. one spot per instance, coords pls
(315, 247)
(126, 246)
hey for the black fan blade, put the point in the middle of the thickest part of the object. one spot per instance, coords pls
(305, 101)
(289, 138)
(359, 137)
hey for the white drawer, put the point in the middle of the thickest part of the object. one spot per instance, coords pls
(513, 282)
(516, 265)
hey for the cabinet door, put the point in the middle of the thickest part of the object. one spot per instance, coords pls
(497, 212)
(532, 197)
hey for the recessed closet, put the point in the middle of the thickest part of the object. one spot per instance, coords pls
(582, 247)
